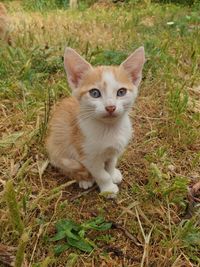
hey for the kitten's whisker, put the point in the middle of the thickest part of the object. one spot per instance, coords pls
(127, 107)
(83, 116)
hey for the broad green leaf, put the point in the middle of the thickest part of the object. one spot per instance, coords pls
(66, 225)
(97, 224)
(80, 244)
(64, 229)
(75, 233)
(103, 227)
(60, 235)
(81, 233)
(90, 242)
(61, 248)
(68, 233)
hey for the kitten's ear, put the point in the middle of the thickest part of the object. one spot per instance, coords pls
(75, 67)
(133, 65)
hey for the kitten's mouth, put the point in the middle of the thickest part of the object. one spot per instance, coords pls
(110, 116)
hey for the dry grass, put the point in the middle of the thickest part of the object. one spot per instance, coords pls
(159, 221)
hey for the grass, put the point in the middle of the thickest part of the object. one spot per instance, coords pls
(159, 165)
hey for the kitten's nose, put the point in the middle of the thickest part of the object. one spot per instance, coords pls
(110, 109)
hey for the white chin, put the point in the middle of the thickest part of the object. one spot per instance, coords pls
(109, 118)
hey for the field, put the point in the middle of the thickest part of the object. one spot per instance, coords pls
(156, 216)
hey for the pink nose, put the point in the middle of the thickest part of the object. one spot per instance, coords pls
(110, 109)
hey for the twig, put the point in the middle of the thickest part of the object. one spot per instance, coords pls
(55, 192)
(127, 234)
(35, 246)
(41, 168)
(62, 186)
(176, 261)
(186, 258)
(146, 241)
(54, 213)
(83, 193)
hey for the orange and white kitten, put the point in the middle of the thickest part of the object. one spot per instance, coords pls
(89, 131)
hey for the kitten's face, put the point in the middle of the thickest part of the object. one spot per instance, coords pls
(106, 93)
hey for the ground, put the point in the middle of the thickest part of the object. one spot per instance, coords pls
(156, 214)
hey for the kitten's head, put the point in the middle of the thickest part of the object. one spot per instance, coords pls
(106, 92)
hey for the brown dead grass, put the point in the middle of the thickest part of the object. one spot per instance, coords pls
(44, 194)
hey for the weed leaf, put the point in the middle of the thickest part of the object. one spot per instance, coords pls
(61, 248)
(63, 225)
(65, 228)
(97, 224)
(80, 244)
(60, 235)
(75, 233)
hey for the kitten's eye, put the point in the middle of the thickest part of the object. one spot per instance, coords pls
(95, 93)
(121, 92)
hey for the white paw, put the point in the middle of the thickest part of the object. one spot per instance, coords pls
(86, 184)
(116, 176)
(109, 190)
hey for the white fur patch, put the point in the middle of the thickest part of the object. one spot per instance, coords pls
(86, 184)
(110, 80)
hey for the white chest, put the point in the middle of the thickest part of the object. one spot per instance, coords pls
(106, 140)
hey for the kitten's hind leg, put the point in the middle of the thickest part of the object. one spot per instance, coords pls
(114, 172)
(79, 173)
(70, 165)
(74, 169)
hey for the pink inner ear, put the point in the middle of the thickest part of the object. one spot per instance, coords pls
(134, 71)
(75, 67)
(77, 72)
(75, 79)
(136, 75)
(134, 64)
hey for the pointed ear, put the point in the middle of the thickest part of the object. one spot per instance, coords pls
(75, 67)
(133, 65)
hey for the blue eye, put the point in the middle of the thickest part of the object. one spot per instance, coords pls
(121, 92)
(95, 93)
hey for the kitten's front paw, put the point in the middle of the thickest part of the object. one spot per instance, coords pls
(86, 184)
(116, 176)
(110, 190)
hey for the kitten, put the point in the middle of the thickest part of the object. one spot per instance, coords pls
(4, 24)
(89, 131)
